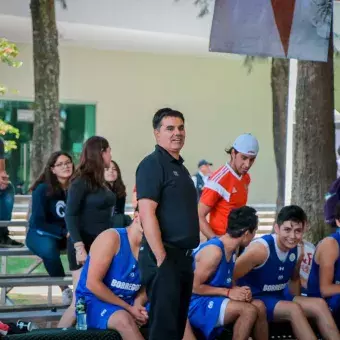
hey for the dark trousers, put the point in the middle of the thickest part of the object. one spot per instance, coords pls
(48, 249)
(169, 290)
(6, 208)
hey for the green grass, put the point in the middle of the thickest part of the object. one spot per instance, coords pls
(18, 265)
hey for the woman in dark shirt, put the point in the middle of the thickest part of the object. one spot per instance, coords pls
(88, 209)
(47, 229)
(114, 179)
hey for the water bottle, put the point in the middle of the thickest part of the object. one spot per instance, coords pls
(81, 314)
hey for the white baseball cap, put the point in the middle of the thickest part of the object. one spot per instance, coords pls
(246, 144)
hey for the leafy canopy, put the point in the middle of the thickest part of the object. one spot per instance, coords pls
(8, 54)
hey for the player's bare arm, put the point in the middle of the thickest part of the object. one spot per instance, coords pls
(203, 212)
(141, 298)
(255, 255)
(295, 282)
(207, 261)
(103, 250)
(327, 254)
(206, 264)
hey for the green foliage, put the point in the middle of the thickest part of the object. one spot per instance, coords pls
(6, 128)
(8, 53)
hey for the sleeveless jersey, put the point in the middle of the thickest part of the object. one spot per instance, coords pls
(122, 277)
(274, 274)
(224, 273)
(314, 280)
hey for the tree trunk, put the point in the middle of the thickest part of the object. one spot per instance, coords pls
(314, 141)
(280, 87)
(46, 132)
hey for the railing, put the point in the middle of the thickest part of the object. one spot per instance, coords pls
(266, 213)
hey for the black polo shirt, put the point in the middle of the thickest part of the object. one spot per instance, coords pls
(165, 180)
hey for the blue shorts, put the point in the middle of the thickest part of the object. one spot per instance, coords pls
(204, 312)
(270, 301)
(98, 312)
(334, 303)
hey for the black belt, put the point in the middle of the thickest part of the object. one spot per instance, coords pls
(184, 252)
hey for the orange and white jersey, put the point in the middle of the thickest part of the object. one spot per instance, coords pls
(224, 191)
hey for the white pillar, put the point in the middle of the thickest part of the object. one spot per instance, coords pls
(290, 124)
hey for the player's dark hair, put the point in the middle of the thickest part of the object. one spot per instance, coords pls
(337, 211)
(230, 150)
(292, 213)
(162, 113)
(241, 220)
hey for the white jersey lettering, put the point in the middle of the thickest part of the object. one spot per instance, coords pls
(125, 285)
(274, 288)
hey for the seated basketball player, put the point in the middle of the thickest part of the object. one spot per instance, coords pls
(215, 302)
(111, 285)
(324, 278)
(110, 282)
(272, 262)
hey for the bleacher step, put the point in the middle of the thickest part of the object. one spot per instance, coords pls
(31, 308)
(31, 275)
(36, 282)
(44, 315)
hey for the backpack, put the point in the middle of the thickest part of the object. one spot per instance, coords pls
(332, 198)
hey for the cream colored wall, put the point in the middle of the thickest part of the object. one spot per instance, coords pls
(218, 98)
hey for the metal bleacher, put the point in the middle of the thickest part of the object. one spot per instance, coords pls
(17, 228)
(9, 310)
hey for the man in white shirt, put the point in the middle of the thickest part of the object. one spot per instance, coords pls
(202, 176)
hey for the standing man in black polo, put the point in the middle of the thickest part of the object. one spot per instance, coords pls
(168, 210)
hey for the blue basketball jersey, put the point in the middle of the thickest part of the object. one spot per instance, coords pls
(204, 310)
(122, 277)
(273, 276)
(313, 285)
(224, 272)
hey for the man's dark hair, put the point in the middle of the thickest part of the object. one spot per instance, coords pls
(292, 213)
(230, 150)
(162, 113)
(338, 150)
(241, 220)
(337, 211)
